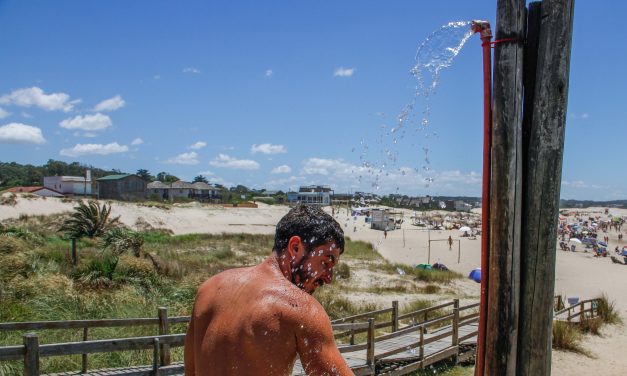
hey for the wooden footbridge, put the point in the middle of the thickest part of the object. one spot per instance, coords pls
(381, 342)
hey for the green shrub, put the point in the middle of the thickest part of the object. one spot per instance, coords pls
(342, 271)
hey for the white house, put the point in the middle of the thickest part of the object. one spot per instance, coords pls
(72, 185)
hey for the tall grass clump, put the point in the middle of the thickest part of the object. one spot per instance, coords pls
(567, 337)
(607, 311)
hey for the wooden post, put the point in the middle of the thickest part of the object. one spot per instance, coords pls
(164, 328)
(547, 63)
(422, 343)
(370, 348)
(156, 355)
(394, 315)
(31, 355)
(455, 329)
(352, 337)
(84, 356)
(505, 202)
(459, 251)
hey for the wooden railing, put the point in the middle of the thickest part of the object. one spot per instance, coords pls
(31, 351)
(583, 310)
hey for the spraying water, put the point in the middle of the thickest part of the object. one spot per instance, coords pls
(435, 54)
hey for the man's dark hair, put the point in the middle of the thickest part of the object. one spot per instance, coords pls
(312, 225)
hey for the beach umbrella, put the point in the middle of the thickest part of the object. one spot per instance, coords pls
(475, 275)
(465, 229)
(602, 243)
(424, 266)
(575, 240)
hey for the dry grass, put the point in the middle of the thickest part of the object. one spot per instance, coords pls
(567, 337)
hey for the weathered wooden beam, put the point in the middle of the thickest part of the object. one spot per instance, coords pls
(505, 203)
(544, 123)
(31, 355)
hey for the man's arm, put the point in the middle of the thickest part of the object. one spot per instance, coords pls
(318, 352)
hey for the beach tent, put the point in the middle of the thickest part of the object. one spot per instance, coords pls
(439, 266)
(475, 275)
(424, 266)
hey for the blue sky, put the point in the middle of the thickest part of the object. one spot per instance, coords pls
(277, 94)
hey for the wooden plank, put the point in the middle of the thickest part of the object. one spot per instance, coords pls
(424, 310)
(108, 345)
(12, 352)
(554, 22)
(505, 182)
(76, 324)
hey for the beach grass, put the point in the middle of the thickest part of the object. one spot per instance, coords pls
(38, 282)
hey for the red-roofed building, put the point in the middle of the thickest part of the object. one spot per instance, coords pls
(37, 190)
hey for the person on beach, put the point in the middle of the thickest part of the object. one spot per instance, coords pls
(450, 242)
(256, 320)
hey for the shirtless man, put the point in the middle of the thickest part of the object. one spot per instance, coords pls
(256, 320)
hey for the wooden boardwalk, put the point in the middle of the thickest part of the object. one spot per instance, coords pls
(405, 349)
(392, 344)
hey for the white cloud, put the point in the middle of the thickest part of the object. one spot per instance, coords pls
(223, 160)
(34, 96)
(323, 166)
(190, 158)
(198, 145)
(18, 133)
(343, 72)
(206, 173)
(268, 149)
(96, 122)
(283, 169)
(110, 104)
(26, 115)
(94, 149)
(3, 113)
(191, 70)
(269, 73)
(137, 141)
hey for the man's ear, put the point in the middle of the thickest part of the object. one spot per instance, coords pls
(295, 248)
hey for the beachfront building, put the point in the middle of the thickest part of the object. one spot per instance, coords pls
(385, 219)
(200, 191)
(36, 190)
(314, 195)
(70, 185)
(121, 187)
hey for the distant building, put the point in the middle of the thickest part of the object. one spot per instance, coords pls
(70, 185)
(314, 195)
(121, 187)
(179, 189)
(37, 190)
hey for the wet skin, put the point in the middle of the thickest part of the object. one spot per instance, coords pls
(256, 320)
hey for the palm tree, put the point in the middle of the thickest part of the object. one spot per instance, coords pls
(89, 220)
(120, 240)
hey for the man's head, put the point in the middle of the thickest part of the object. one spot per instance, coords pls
(308, 242)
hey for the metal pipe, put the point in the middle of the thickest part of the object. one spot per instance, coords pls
(483, 28)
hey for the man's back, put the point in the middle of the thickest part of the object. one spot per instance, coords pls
(252, 321)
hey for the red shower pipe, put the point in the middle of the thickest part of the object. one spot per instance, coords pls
(483, 28)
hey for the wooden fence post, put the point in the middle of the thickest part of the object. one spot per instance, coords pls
(164, 328)
(455, 331)
(84, 356)
(31, 355)
(352, 337)
(370, 346)
(422, 343)
(156, 355)
(394, 315)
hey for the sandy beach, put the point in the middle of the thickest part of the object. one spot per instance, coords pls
(577, 273)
